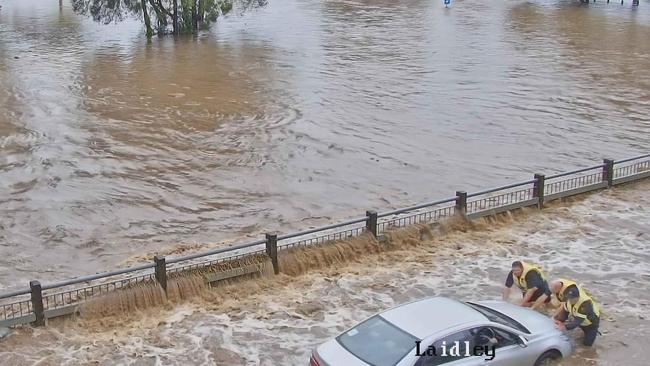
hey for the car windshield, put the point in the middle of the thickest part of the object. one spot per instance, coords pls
(377, 342)
(497, 317)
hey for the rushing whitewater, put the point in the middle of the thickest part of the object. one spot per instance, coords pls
(600, 239)
(302, 113)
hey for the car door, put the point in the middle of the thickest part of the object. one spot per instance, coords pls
(506, 352)
(446, 354)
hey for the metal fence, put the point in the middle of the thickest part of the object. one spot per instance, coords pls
(423, 213)
(38, 303)
(493, 201)
(341, 231)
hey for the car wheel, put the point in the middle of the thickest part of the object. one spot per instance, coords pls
(547, 358)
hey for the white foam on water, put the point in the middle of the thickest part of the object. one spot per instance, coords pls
(600, 240)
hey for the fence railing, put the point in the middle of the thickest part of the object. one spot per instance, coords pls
(423, 213)
(40, 302)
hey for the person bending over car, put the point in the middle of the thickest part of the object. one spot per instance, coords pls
(559, 288)
(531, 281)
(579, 310)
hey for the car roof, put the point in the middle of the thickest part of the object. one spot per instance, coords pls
(425, 317)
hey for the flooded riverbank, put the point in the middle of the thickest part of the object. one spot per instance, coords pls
(600, 239)
(296, 114)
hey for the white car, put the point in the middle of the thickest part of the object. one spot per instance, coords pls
(438, 330)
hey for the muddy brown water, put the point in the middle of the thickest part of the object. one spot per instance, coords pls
(302, 113)
(297, 114)
(601, 240)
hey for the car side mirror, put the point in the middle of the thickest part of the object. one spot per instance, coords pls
(523, 341)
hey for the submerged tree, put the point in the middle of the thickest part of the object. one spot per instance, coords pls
(185, 16)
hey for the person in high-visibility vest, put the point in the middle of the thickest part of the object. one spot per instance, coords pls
(580, 310)
(530, 279)
(559, 287)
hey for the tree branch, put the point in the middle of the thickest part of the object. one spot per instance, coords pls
(159, 8)
(163, 8)
(147, 20)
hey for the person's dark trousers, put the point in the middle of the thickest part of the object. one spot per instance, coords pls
(591, 332)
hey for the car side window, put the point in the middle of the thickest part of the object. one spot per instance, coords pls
(506, 338)
(444, 350)
(491, 337)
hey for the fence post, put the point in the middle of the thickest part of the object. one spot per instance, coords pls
(161, 271)
(608, 172)
(272, 251)
(538, 189)
(371, 222)
(37, 303)
(461, 203)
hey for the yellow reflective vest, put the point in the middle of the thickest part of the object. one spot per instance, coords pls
(574, 310)
(566, 284)
(521, 280)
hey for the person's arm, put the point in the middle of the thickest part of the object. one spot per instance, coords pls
(506, 293)
(573, 323)
(561, 322)
(540, 300)
(526, 300)
(588, 309)
(555, 302)
(545, 296)
(508, 287)
(561, 315)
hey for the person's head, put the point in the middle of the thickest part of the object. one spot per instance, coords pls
(572, 295)
(517, 268)
(556, 286)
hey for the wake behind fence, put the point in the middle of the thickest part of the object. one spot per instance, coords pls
(40, 302)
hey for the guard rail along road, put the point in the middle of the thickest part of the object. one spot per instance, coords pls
(40, 302)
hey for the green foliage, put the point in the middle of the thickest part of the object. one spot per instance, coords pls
(107, 11)
(226, 6)
(158, 15)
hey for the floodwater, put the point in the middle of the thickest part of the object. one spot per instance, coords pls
(599, 240)
(296, 114)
